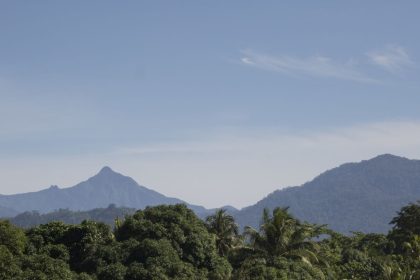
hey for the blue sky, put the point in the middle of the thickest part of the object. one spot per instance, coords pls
(212, 102)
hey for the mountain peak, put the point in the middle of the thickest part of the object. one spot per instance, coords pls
(108, 177)
(106, 174)
(387, 157)
(106, 170)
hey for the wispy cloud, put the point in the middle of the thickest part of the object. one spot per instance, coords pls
(392, 58)
(369, 138)
(316, 66)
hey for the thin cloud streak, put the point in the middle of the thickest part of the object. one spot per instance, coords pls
(392, 58)
(315, 66)
(378, 136)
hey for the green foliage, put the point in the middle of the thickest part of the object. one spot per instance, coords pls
(9, 268)
(256, 269)
(11, 237)
(225, 229)
(406, 225)
(283, 248)
(114, 271)
(282, 235)
(171, 242)
(277, 268)
(42, 267)
(408, 219)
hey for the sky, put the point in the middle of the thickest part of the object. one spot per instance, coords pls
(212, 102)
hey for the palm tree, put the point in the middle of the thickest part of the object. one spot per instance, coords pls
(225, 229)
(281, 235)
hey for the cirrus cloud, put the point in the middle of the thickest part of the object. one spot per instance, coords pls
(315, 66)
(392, 58)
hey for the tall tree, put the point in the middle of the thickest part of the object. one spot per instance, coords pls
(281, 235)
(226, 230)
(406, 227)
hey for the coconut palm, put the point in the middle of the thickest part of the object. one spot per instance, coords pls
(281, 235)
(225, 229)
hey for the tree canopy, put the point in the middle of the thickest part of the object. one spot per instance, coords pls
(171, 242)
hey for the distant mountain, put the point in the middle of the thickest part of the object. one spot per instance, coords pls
(7, 212)
(107, 187)
(361, 196)
(105, 215)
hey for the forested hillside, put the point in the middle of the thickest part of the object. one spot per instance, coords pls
(171, 242)
(361, 196)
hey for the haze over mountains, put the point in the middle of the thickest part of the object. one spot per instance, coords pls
(106, 187)
(352, 197)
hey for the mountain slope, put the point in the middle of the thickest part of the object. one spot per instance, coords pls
(7, 212)
(107, 187)
(352, 197)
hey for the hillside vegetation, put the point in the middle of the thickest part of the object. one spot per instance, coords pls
(171, 242)
(361, 196)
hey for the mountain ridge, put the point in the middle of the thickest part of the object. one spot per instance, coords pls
(356, 196)
(104, 188)
(359, 196)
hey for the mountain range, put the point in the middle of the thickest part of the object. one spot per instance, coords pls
(361, 196)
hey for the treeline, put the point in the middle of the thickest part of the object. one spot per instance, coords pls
(106, 215)
(171, 242)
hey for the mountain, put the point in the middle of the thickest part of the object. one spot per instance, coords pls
(107, 215)
(362, 196)
(7, 212)
(105, 188)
